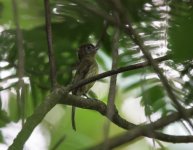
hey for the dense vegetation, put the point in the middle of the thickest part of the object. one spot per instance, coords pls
(151, 40)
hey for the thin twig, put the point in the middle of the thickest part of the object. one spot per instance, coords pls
(113, 79)
(21, 62)
(52, 62)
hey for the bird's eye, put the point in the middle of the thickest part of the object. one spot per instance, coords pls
(88, 48)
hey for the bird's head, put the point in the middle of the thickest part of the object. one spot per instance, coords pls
(86, 50)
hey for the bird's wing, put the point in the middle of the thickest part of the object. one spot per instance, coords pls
(82, 71)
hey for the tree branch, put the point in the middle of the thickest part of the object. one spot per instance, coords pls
(30, 124)
(57, 95)
(21, 62)
(117, 119)
(113, 82)
(61, 96)
(138, 41)
(53, 75)
(127, 137)
(135, 131)
(113, 72)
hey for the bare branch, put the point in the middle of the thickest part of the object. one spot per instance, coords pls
(113, 80)
(53, 75)
(21, 62)
(118, 120)
(32, 121)
(61, 96)
(113, 72)
(127, 137)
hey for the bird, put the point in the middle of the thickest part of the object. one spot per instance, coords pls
(86, 67)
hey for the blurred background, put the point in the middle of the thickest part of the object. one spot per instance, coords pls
(165, 26)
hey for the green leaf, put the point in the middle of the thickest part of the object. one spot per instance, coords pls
(13, 108)
(153, 99)
(4, 119)
(180, 32)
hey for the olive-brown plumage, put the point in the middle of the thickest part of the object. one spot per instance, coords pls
(87, 67)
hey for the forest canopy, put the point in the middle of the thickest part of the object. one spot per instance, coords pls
(144, 87)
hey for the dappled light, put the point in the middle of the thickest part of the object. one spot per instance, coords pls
(143, 95)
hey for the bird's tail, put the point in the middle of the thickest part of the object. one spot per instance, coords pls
(73, 118)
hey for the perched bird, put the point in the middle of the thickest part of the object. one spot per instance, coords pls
(86, 68)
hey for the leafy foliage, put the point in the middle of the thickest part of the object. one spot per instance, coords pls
(181, 31)
(164, 27)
